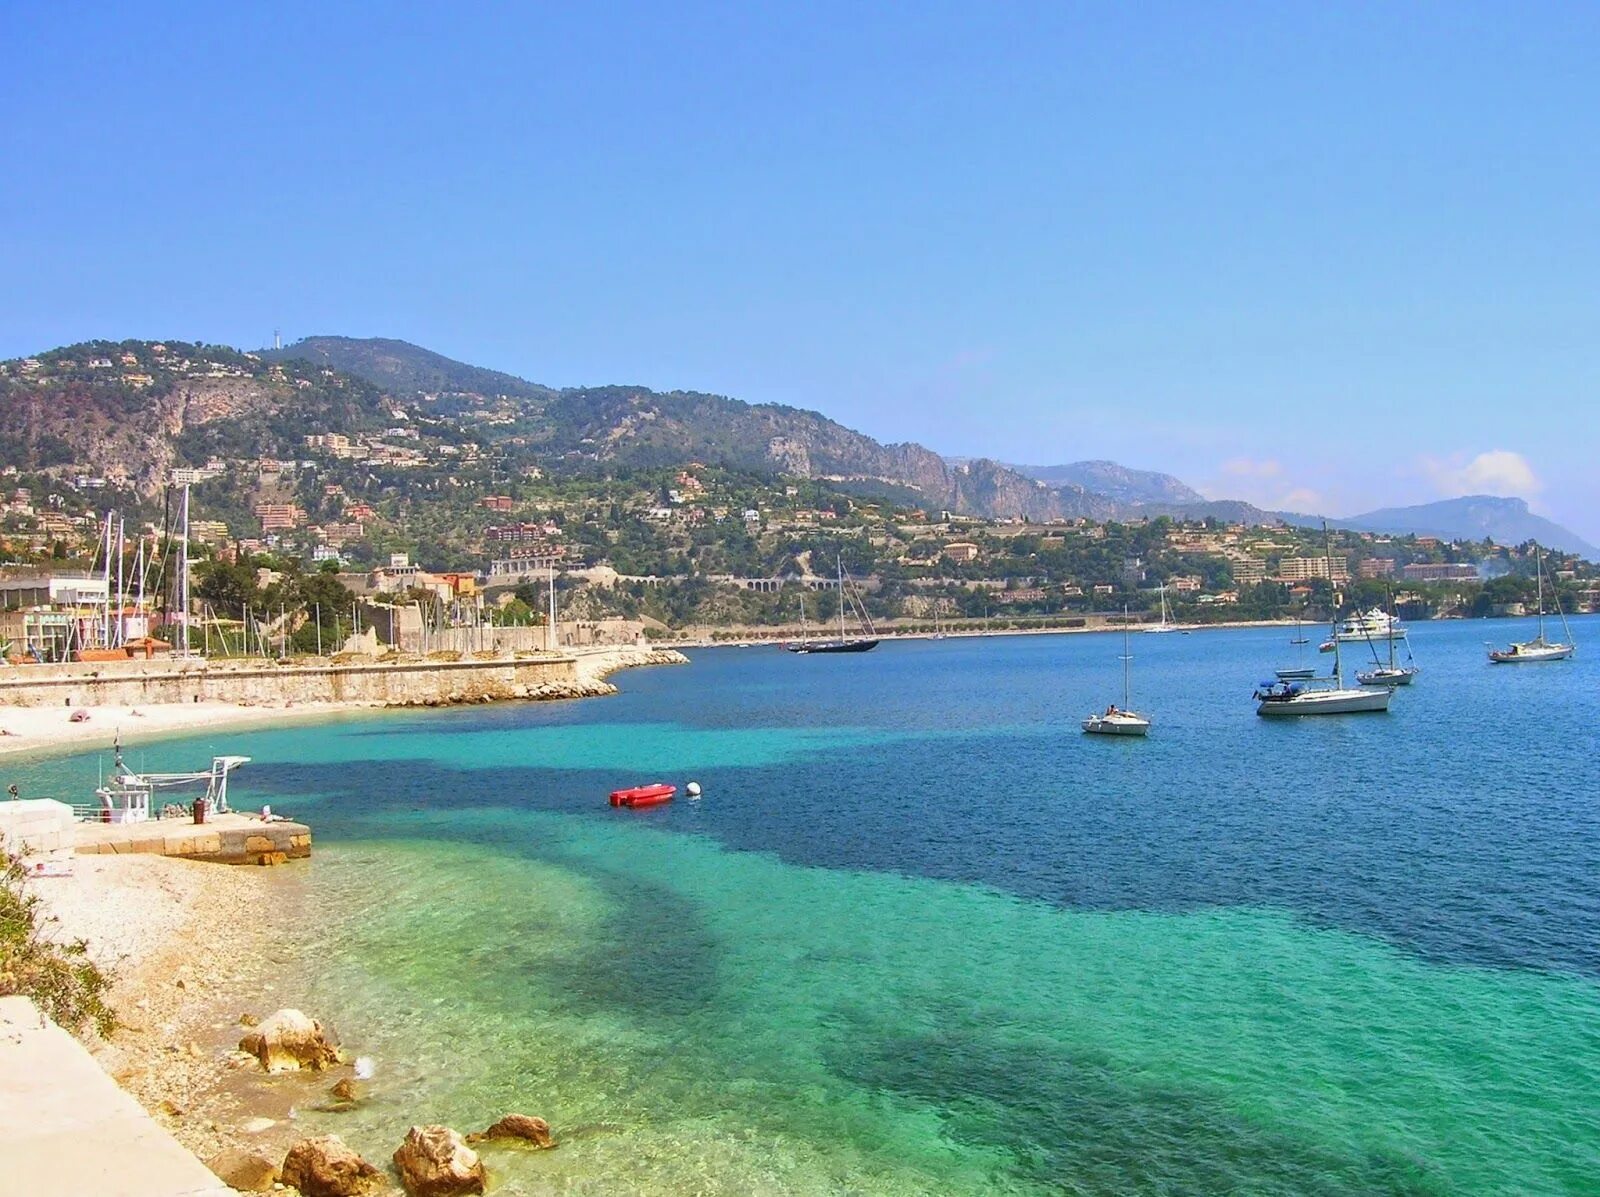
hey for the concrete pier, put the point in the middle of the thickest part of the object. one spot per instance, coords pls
(69, 1130)
(225, 839)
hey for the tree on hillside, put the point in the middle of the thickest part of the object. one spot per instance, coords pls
(227, 585)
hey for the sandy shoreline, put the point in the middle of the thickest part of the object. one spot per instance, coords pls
(50, 730)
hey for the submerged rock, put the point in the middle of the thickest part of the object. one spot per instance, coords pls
(435, 1161)
(326, 1167)
(517, 1126)
(289, 1040)
(247, 1171)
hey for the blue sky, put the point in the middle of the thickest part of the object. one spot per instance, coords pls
(1328, 256)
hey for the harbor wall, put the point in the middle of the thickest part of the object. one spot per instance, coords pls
(409, 683)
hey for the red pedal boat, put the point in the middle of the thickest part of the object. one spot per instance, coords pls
(650, 795)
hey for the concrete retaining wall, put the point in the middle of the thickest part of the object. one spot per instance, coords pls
(70, 1130)
(35, 825)
(133, 683)
(224, 839)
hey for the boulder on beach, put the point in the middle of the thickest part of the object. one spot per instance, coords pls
(245, 1170)
(525, 1127)
(435, 1161)
(326, 1167)
(289, 1040)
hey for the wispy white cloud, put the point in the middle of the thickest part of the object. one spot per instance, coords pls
(1248, 467)
(1265, 482)
(1495, 472)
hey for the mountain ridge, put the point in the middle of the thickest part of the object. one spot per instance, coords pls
(1504, 520)
(1115, 481)
(638, 426)
(144, 412)
(403, 367)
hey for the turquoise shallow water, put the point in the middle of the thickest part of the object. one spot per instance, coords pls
(922, 937)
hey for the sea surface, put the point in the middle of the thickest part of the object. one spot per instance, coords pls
(921, 935)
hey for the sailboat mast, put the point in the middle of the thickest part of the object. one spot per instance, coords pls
(1538, 574)
(1327, 563)
(183, 578)
(1127, 661)
(122, 585)
(105, 612)
(1390, 629)
(841, 599)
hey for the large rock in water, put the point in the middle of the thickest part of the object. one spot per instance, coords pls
(247, 1171)
(518, 1126)
(289, 1040)
(326, 1167)
(435, 1161)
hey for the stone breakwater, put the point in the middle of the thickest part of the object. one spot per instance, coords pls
(425, 682)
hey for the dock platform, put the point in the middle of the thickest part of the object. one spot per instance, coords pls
(223, 838)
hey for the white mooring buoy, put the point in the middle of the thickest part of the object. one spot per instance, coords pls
(692, 789)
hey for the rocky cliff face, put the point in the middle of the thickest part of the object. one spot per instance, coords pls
(51, 426)
(140, 408)
(1115, 482)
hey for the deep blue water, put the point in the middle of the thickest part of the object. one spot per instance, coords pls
(1464, 825)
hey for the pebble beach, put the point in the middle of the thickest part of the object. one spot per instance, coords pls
(190, 948)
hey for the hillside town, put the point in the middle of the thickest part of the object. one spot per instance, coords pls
(699, 553)
(319, 504)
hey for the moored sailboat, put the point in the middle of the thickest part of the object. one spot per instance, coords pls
(1537, 649)
(845, 643)
(1166, 625)
(1293, 698)
(1120, 721)
(1394, 673)
(1301, 672)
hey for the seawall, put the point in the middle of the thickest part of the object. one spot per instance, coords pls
(427, 682)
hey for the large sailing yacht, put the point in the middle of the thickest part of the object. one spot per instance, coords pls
(845, 643)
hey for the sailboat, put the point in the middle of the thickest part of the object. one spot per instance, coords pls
(1392, 674)
(1537, 649)
(1120, 721)
(1166, 625)
(1301, 672)
(845, 643)
(1291, 698)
